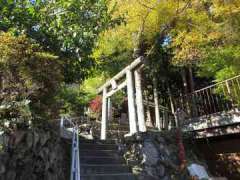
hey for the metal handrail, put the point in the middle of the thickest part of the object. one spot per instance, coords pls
(75, 167)
(220, 97)
(75, 160)
(214, 85)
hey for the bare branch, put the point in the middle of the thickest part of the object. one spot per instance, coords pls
(146, 6)
(184, 8)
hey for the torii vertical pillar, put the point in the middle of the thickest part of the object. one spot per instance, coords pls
(156, 103)
(104, 114)
(131, 103)
(109, 111)
(139, 102)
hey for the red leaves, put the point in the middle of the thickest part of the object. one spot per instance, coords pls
(96, 104)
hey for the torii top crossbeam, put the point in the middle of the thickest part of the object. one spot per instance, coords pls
(136, 63)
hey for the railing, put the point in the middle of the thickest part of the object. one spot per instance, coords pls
(75, 161)
(220, 97)
(75, 167)
(119, 127)
(167, 119)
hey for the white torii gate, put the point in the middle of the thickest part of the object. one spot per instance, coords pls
(135, 101)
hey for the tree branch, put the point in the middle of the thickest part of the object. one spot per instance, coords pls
(144, 5)
(168, 26)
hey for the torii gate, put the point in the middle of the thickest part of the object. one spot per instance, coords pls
(135, 101)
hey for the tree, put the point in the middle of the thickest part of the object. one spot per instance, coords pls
(68, 28)
(30, 78)
(221, 59)
(147, 31)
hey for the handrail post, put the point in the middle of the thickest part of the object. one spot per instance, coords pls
(104, 115)
(230, 94)
(75, 161)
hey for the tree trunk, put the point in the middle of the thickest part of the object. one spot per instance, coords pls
(185, 99)
(1, 81)
(156, 103)
(184, 79)
(191, 80)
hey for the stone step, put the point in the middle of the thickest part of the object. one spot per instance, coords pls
(101, 160)
(98, 152)
(90, 141)
(118, 127)
(115, 134)
(121, 176)
(114, 131)
(90, 146)
(118, 124)
(87, 169)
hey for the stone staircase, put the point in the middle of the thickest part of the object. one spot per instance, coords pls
(100, 160)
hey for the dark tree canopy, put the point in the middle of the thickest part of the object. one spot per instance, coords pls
(67, 28)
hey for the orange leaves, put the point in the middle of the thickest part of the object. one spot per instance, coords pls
(96, 104)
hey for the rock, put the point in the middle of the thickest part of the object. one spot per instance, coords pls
(150, 153)
(147, 177)
(161, 140)
(137, 169)
(39, 166)
(25, 175)
(167, 152)
(35, 139)
(11, 175)
(29, 140)
(161, 147)
(19, 135)
(52, 157)
(44, 138)
(2, 168)
(152, 171)
(44, 152)
(129, 138)
(160, 170)
(33, 157)
(218, 178)
(4, 139)
(198, 171)
(166, 178)
(157, 154)
(132, 162)
(51, 176)
(4, 157)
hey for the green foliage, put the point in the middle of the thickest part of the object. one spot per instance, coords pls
(221, 58)
(118, 98)
(202, 34)
(74, 98)
(69, 40)
(29, 79)
(221, 63)
(71, 99)
(67, 28)
(89, 87)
